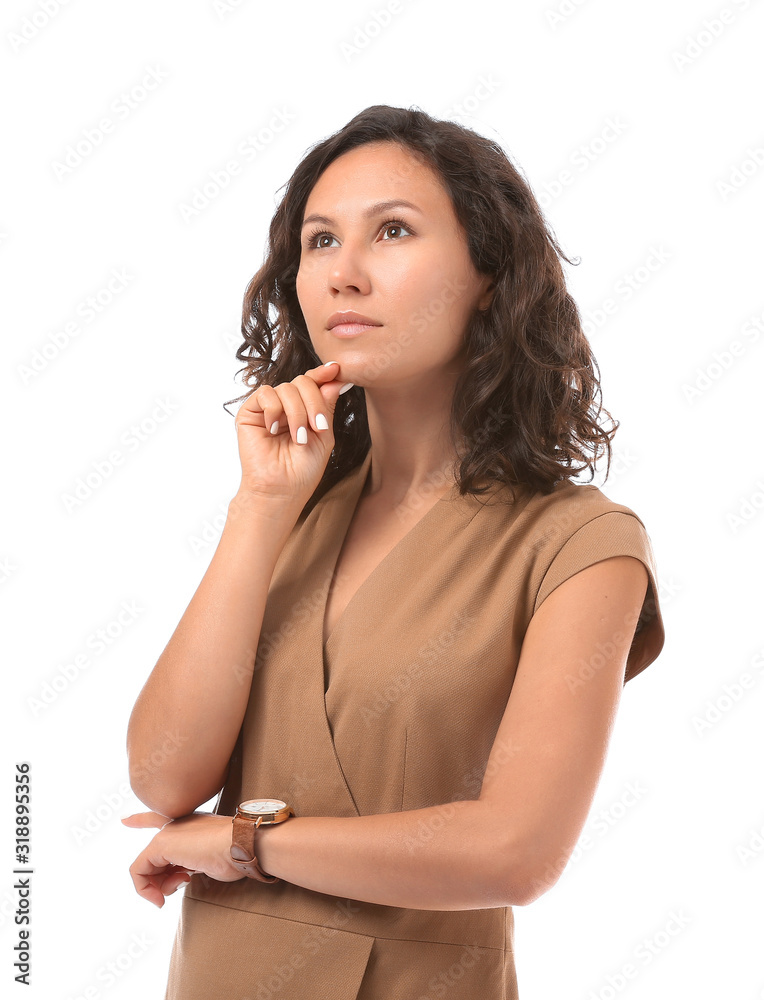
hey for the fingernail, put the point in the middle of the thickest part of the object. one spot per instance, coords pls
(321, 422)
(346, 386)
(327, 363)
(302, 435)
(275, 427)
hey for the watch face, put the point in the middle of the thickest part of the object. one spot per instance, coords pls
(261, 807)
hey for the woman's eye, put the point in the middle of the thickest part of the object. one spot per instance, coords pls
(316, 240)
(394, 225)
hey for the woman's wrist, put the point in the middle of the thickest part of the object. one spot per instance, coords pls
(266, 849)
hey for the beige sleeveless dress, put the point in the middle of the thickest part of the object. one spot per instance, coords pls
(420, 668)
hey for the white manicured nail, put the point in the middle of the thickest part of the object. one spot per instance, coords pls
(321, 422)
(327, 363)
(346, 386)
(275, 427)
(302, 435)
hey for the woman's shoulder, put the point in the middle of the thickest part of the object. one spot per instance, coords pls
(568, 505)
(577, 503)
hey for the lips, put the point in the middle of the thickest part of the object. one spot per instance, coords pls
(349, 318)
(343, 330)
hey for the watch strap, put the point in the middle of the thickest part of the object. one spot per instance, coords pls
(242, 850)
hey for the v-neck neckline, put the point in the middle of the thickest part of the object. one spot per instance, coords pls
(357, 481)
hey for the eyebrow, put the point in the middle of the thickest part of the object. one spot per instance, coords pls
(371, 211)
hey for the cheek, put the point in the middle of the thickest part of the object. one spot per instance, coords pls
(415, 289)
(303, 287)
(436, 303)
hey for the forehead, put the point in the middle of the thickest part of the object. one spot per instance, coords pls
(378, 171)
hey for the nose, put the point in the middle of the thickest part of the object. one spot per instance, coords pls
(348, 270)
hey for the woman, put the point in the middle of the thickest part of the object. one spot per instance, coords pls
(406, 549)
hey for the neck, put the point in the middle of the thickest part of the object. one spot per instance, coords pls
(412, 451)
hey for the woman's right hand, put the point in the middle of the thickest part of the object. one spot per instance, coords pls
(282, 447)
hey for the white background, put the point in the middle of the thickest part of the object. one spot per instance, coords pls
(682, 182)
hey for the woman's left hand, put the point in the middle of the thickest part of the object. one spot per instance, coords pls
(199, 842)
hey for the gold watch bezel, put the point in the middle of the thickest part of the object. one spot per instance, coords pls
(260, 811)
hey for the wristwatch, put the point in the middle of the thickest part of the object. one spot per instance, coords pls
(250, 815)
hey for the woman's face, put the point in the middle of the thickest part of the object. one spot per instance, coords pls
(413, 276)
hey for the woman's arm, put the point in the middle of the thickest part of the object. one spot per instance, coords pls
(511, 844)
(187, 717)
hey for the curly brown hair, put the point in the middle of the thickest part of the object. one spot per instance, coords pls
(525, 405)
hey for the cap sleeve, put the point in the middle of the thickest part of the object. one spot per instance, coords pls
(614, 533)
